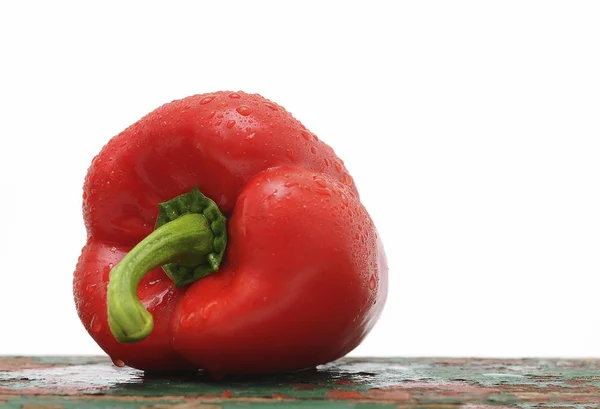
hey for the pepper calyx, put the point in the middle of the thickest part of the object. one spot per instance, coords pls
(194, 265)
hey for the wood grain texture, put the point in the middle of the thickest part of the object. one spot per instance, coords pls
(94, 382)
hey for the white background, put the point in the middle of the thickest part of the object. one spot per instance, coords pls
(471, 128)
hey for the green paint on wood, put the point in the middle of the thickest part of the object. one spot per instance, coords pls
(69, 360)
(63, 403)
(45, 402)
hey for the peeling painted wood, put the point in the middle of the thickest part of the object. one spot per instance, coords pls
(93, 382)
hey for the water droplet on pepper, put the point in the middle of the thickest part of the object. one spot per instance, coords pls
(320, 182)
(117, 362)
(347, 179)
(206, 311)
(271, 106)
(244, 110)
(372, 282)
(187, 320)
(206, 100)
(344, 199)
(96, 325)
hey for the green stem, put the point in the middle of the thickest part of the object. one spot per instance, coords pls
(188, 243)
(128, 319)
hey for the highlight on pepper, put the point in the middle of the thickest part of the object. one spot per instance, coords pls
(225, 236)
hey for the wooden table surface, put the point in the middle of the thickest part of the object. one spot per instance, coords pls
(436, 383)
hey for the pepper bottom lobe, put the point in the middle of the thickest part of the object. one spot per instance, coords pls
(303, 281)
(156, 292)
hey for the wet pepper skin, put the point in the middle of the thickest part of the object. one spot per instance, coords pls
(304, 277)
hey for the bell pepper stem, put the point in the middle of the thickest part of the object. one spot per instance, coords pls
(188, 239)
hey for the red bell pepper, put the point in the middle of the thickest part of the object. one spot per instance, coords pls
(303, 278)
